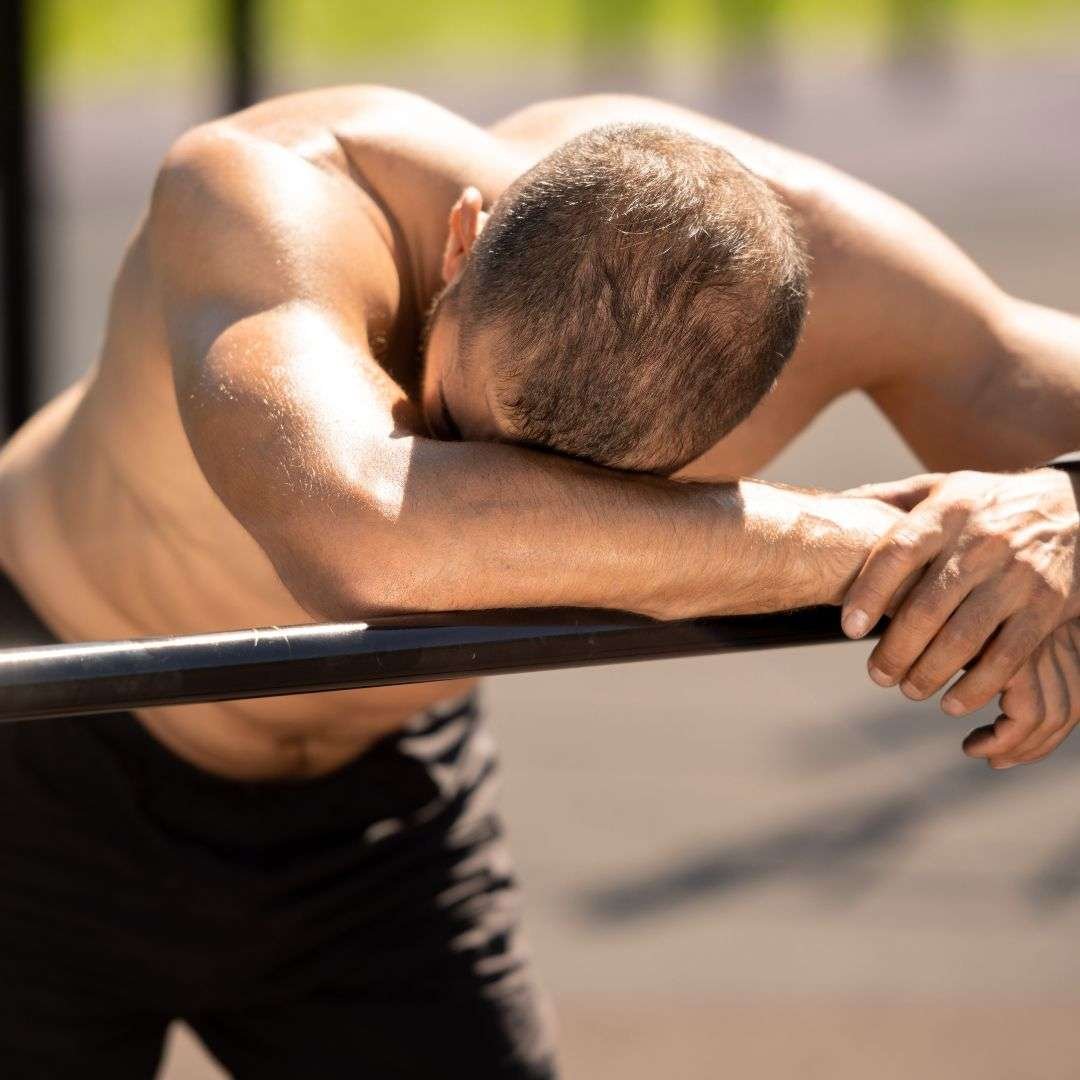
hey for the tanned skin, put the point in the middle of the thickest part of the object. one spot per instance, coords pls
(256, 444)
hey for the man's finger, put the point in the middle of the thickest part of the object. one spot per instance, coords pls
(1020, 724)
(1059, 682)
(1044, 749)
(907, 547)
(994, 741)
(1000, 661)
(916, 625)
(1021, 706)
(1053, 703)
(901, 594)
(1049, 713)
(957, 643)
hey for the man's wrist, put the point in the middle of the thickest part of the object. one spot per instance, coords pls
(749, 547)
(846, 530)
(811, 545)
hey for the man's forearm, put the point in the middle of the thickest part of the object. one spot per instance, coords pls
(484, 525)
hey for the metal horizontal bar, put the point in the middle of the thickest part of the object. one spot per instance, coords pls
(95, 677)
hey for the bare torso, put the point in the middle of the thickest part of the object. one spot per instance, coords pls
(110, 528)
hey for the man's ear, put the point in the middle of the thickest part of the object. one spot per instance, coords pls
(467, 219)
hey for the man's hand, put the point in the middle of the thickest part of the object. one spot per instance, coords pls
(1040, 706)
(983, 568)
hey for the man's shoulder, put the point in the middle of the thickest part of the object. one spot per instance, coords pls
(238, 216)
(287, 151)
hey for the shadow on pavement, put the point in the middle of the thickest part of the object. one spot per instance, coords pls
(828, 847)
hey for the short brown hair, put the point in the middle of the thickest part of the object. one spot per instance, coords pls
(646, 290)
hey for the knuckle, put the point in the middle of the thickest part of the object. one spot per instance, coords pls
(923, 682)
(961, 507)
(888, 663)
(1028, 576)
(964, 635)
(1016, 648)
(920, 617)
(1052, 602)
(970, 558)
(970, 694)
(1027, 717)
(902, 546)
(995, 546)
(949, 578)
(934, 666)
(1030, 639)
(1009, 656)
(1018, 703)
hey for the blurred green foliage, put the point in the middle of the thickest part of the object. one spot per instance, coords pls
(110, 38)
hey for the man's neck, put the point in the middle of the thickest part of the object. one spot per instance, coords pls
(416, 184)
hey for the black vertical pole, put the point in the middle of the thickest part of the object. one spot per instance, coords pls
(18, 215)
(240, 45)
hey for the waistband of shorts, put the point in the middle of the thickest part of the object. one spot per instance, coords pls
(441, 757)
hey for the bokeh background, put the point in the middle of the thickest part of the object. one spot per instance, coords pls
(751, 866)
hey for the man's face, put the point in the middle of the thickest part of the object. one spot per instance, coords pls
(455, 392)
(458, 390)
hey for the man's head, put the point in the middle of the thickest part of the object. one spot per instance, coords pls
(628, 301)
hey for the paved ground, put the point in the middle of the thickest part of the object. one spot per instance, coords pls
(761, 865)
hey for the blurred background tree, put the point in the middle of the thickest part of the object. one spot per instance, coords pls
(114, 38)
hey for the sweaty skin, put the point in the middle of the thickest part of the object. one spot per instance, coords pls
(251, 447)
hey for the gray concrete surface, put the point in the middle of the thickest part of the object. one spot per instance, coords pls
(761, 865)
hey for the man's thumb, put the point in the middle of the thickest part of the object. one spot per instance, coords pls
(903, 494)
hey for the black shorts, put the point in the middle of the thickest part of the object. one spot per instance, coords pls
(362, 924)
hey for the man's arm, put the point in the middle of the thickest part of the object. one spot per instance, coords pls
(323, 459)
(987, 564)
(359, 513)
(971, 377)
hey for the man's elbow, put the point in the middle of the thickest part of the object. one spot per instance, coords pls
(368, 578)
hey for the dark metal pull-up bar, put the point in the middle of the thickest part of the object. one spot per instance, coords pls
(96, 677)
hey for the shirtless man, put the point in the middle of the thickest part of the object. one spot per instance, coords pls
(317, 884)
